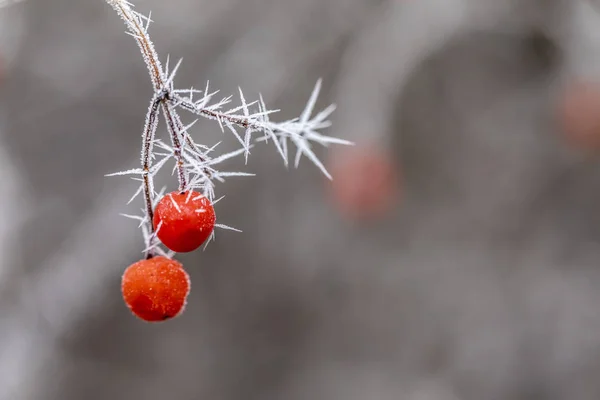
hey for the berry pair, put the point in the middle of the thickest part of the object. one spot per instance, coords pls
(156, 289)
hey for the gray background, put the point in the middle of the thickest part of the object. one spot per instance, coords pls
(482, 285)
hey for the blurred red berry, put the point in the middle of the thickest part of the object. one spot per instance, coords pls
(365, 182)
(155, 289)
(579, 113)
(184, 220)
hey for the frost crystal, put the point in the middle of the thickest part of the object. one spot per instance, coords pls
(195, 164)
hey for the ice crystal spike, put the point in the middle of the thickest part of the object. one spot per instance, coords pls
(227, 227)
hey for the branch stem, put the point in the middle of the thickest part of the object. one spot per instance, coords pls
(147, 145)
(175, 128)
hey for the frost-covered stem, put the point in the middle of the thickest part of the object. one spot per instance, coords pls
(162, 90)
(147, 144)
(176, 132)
(190, 142)
(139, 33)
(210, 114)
(179, 136)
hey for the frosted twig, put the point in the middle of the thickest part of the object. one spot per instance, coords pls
(194, 163)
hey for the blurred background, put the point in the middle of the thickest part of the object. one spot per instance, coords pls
(482, 281)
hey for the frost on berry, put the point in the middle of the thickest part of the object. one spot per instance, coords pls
(155, 289)
(183, 221)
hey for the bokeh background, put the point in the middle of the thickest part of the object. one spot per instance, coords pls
(482, 283)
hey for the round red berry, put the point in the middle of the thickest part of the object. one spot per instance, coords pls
(155, 289)
(366, 181)
(184, 221)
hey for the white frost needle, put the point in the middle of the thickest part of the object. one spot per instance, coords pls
(172, 75)
(227, 227)
(141, 219)
(174, 203)
(218, 200)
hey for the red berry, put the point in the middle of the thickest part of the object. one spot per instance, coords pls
(365, 183)
(184, 220)
(155, 289)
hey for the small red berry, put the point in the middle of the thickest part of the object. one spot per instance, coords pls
(184, 220)
(366, 181)
(155, 289)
